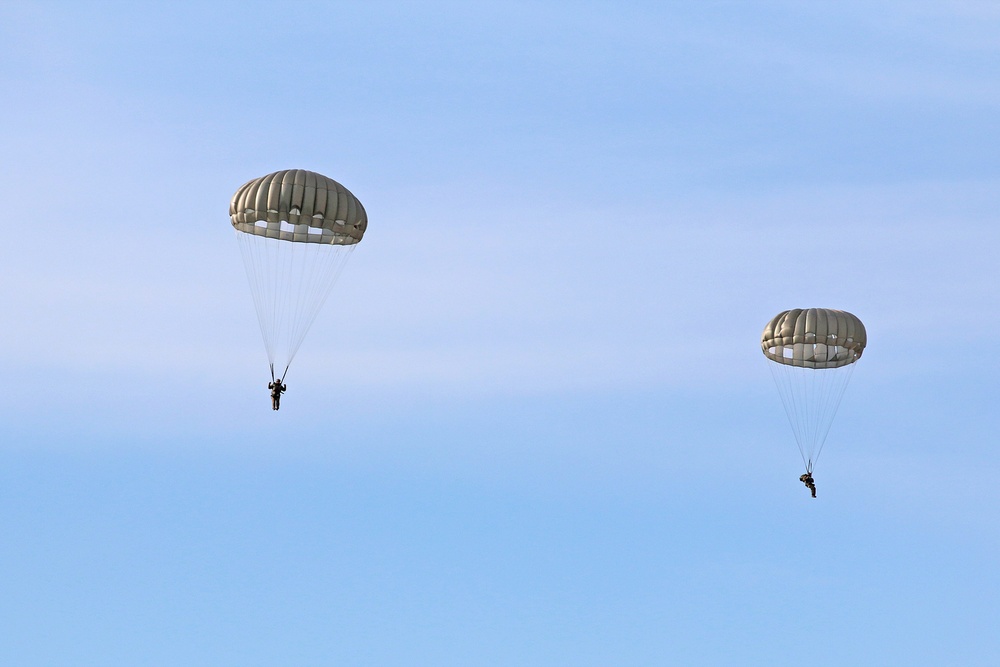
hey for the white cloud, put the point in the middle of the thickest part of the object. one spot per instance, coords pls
(669, 299)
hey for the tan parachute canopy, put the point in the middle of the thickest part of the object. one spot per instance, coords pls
(298, 205)
(814, 338)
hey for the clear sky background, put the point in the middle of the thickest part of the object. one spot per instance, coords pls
(533, 425)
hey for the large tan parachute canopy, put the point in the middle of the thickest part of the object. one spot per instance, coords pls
(295, 229)
(300, 206)
(814, 338)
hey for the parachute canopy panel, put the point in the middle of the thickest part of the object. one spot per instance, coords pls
(814, 338)
(300, 206)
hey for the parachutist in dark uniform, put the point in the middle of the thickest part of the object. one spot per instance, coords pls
(807, 479)
(277, 389)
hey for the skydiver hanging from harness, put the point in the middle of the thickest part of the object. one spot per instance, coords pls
(277, 389)
(806, 478)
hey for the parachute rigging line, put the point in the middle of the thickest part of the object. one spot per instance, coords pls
(289, 283)
(811, 399)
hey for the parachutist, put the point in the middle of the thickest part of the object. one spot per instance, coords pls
(295, 230)
(810, 483)
(277, 389)
(812, 353)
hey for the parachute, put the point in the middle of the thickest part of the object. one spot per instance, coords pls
(296, 229)
(811, 354)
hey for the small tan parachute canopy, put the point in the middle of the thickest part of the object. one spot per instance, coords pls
(300, 206)
(814, 338)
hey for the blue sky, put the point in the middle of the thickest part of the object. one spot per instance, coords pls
(532, 426)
